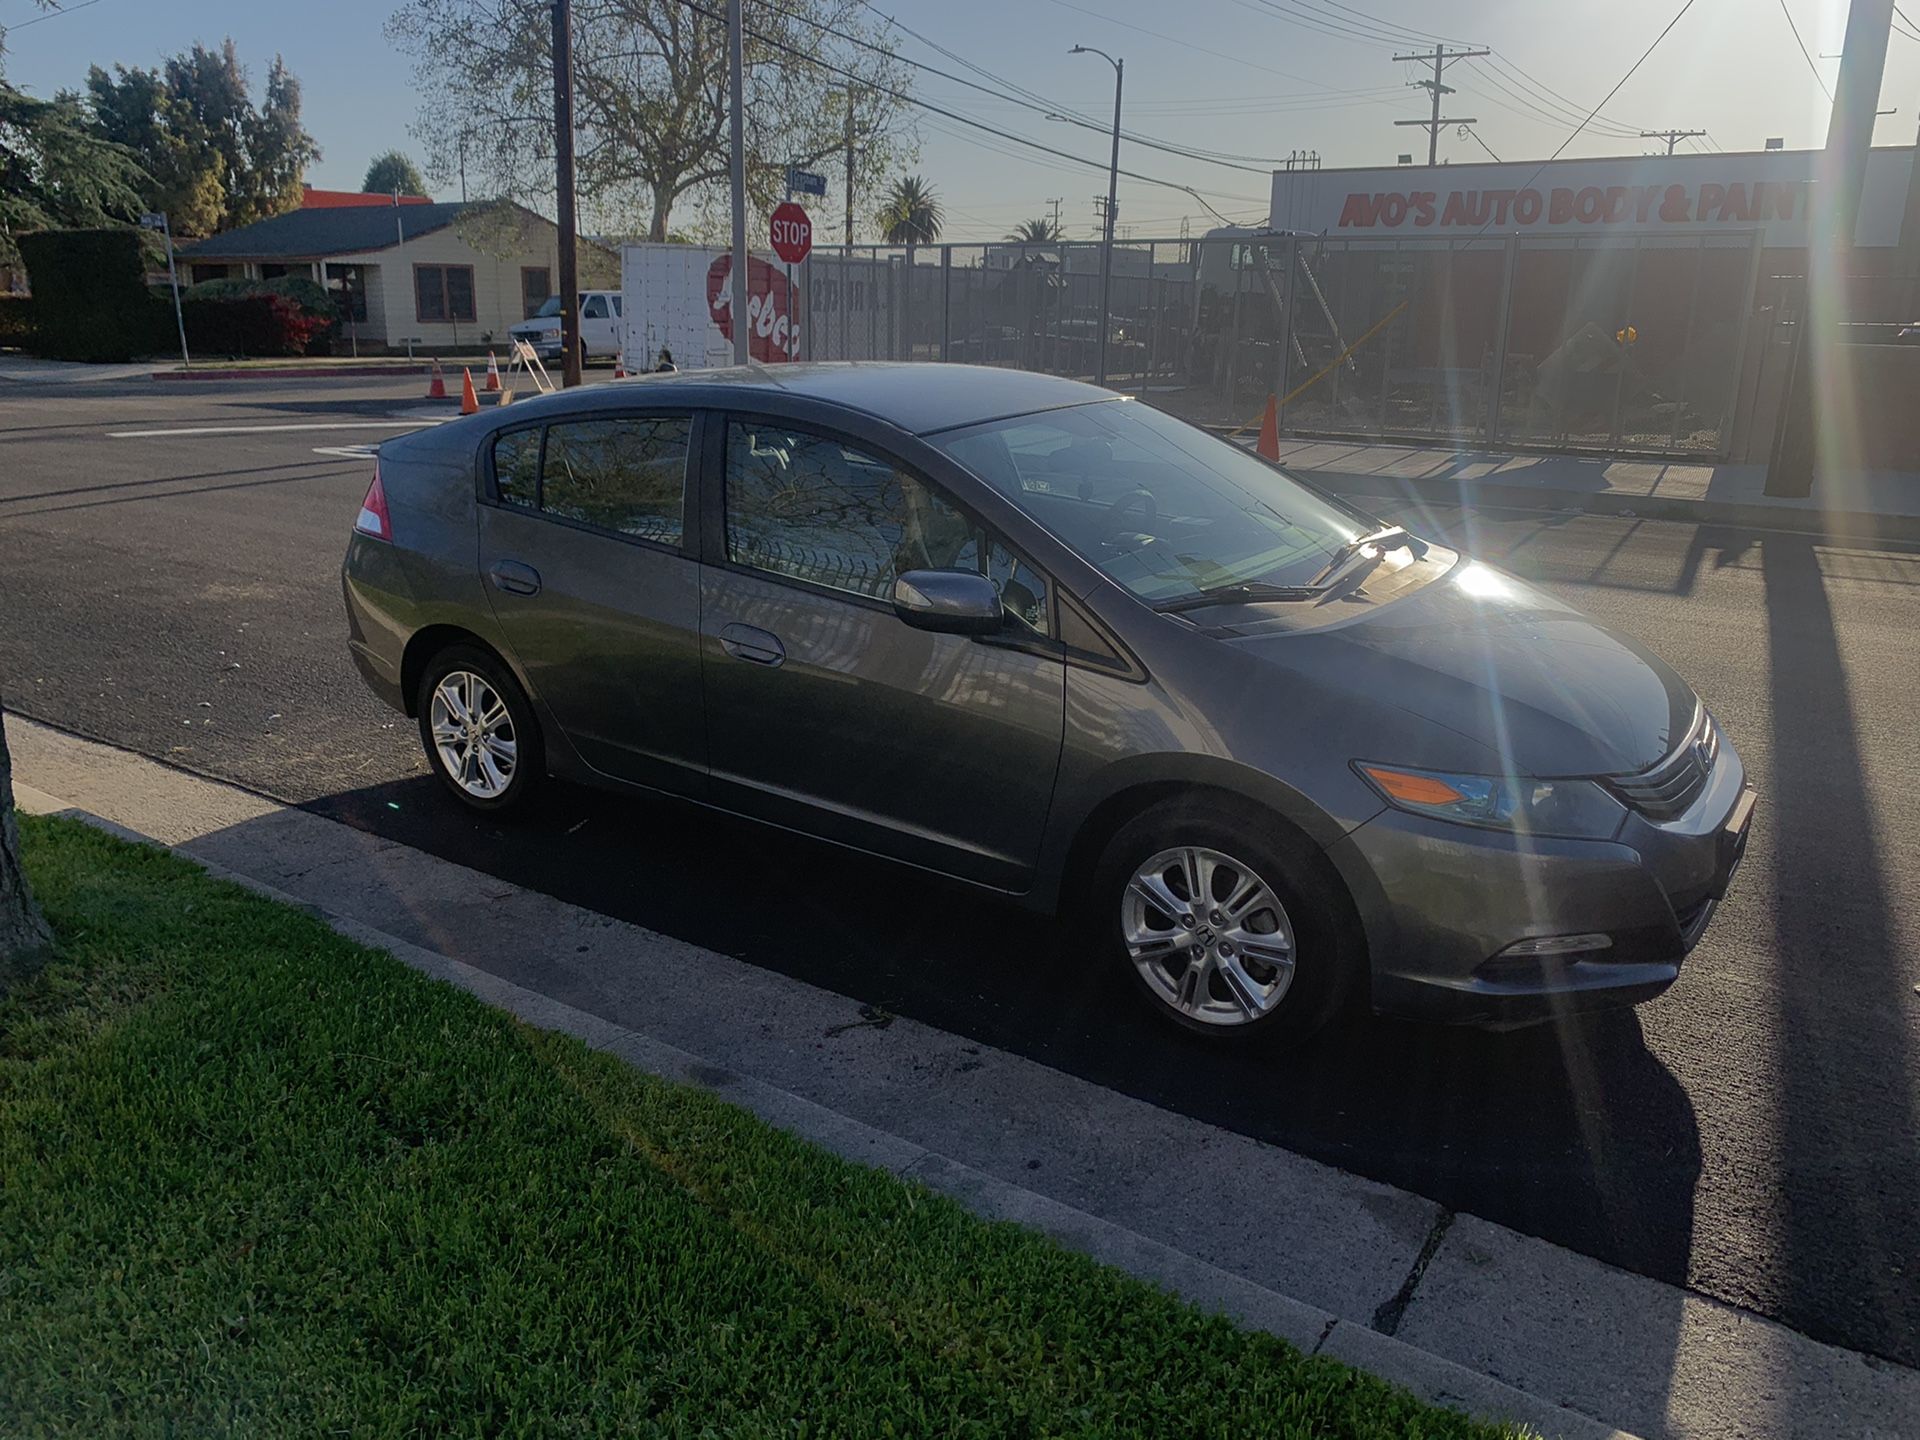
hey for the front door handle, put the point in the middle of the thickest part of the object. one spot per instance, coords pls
(514, 578)
(749, 642)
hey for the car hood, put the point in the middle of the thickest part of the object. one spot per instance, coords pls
(1542, 688)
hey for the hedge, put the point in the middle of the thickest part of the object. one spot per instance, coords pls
(310, 296)
(248, 325)
(90, 298)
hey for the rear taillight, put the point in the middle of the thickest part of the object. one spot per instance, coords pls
(373, 511)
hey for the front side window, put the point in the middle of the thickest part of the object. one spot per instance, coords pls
(815, 509)
(443, 292)
(1164, 509)
(627, 475)
(595, 308)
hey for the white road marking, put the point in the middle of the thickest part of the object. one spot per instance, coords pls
(273, 429)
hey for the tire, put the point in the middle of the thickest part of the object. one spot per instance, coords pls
(1243, 991)
(487, 676)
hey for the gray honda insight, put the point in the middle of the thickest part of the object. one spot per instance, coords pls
(1270, 756)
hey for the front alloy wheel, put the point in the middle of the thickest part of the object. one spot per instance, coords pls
(473, 734)
(1209, 937)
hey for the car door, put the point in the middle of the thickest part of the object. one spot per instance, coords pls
(587, 556)
(596, 324)
(828, 712)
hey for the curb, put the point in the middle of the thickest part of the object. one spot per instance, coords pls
(1313, 1331)
(291, 372)
(1837, 525)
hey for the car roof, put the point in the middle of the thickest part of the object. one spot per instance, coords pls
(919, 397)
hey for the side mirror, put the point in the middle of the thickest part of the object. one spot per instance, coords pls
(952, 602)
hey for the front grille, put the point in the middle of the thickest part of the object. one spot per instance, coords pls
(1666, 789)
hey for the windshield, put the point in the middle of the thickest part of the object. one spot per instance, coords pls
(1163, 508)
(552, 307)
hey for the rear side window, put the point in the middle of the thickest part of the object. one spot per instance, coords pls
(627, 475)
(516, 467)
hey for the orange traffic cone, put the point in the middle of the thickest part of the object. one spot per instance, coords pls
(437, 386)
(1269, 446)
(493, 372)
(619, 367)
(469, 402)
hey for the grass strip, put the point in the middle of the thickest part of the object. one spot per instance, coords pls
(256, 1179)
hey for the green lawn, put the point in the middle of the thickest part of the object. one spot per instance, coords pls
(256, 1179)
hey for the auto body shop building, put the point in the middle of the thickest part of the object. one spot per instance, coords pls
(1624, 303)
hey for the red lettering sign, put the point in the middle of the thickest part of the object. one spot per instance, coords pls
(773, 334)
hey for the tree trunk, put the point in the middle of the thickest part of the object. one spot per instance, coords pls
(23, 933)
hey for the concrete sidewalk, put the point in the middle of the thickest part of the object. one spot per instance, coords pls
(1870, 505)
(1456, 1309)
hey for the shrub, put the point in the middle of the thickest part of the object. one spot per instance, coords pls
(248, 325)
(90, 298)
(16, 321)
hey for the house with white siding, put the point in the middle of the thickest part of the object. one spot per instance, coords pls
(409, 277)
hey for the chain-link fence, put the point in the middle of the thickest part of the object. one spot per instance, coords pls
(1625, 344)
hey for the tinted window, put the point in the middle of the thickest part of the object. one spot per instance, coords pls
(595, 307)
(516, 467)
(627, 475)
(810, 507)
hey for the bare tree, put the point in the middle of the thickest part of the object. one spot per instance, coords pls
(23, 933)
(650, 90)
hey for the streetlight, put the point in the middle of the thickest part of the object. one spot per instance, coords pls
(1113, 185)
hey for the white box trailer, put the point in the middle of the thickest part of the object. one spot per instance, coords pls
(678, 298)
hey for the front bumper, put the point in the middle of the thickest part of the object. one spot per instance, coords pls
(546, 347)
(1441, 902)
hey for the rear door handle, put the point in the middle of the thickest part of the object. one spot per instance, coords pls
(748, 642)
(514, 578)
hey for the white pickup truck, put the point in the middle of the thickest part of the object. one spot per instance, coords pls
(601, 327)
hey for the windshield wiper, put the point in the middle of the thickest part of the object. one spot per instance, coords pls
(1387, 537)
(1246, 593)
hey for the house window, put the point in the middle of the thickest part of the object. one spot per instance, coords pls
(204, 273)
(347, 284)
(274, 272)
(442, 293)
(536, 285)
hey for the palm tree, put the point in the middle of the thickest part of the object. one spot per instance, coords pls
(1035, 232)
(910, 214)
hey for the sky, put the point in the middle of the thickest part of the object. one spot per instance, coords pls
(1259, 79)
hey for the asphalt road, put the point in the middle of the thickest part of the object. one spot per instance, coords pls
(1752, 1134)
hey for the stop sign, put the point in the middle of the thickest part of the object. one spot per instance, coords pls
(792, 233)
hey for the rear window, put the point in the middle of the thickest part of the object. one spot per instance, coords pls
(626, 474)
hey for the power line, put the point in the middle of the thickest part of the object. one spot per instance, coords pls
(1804, 53)
(969, 120)
(1538, 92)
(1574, 134)
(50, 15)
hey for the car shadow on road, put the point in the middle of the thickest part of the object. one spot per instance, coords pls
(1574, 1132)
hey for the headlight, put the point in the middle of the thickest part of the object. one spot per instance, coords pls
(1574, 809)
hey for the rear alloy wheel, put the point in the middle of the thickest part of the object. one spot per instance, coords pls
(1208, 936)
(1232, 924)
(478, 730)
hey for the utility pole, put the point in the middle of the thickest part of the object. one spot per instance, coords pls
(1113, 185)
(1439, 59)
(1672, 137)
(1055, 203)
(563, 181)
(1839, 177)
(849, 167)
(736, 65)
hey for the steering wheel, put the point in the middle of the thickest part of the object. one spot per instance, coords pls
(1137, 499)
